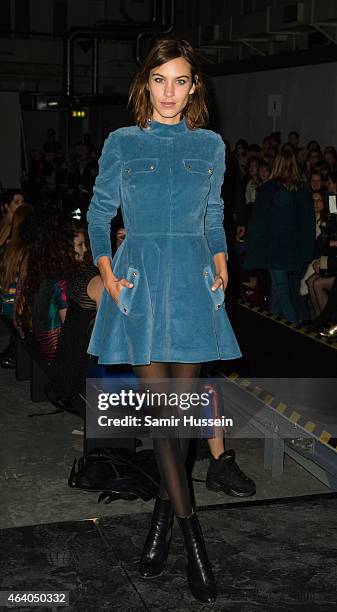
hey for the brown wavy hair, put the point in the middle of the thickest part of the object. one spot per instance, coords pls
(165, 49)
(17, 247)
(50, 255)
(285, 170)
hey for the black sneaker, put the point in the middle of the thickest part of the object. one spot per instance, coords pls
(225, 475)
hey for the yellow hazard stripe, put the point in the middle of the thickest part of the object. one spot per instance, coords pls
(295, 416)
(309, 426)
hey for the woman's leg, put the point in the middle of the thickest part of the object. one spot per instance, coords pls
(281, 295)
(321, 288)
(157, 544)
(171, 452)
(312, 294)
(170, 456)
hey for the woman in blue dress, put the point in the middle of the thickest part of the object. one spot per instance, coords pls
(163, 309)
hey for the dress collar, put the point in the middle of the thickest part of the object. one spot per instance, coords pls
(165, 129)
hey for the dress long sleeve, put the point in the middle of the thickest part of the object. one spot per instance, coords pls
(106, 199)
(214, 218)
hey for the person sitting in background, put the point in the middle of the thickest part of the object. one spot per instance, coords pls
(11, 200)
(301, 157)
(275, 139)
(287, 147)
(294, 140)
(321, 212)
(252, 184)
(51, 145)
(313, 145)
(281, 234)
(316, 182)
(10, 266)
(330, 156)
(12, 258)
(314, 157)
(331, 182)
(254, 150)
(53, 259)
(324, 266)
(263, 172)
(271, 155)
(240, 152)
(71, 363)
(265, 146)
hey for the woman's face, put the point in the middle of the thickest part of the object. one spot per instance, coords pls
(316, 181)
(301, 156)
(314, 157)
(252, 170)
(16, 201)
(318, 203)
(329, 157)
(332, 187)
(169, 86)
(264, 174)
(271, 153)
(239, 150)
(79, 247)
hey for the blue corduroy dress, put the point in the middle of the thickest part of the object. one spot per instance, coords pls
(167, 180)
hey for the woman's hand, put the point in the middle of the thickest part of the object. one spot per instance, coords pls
(111, 283)
(221, 280)
(221, 274)
(114, 287)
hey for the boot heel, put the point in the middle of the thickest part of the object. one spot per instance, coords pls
(157, 544)
(198, 567)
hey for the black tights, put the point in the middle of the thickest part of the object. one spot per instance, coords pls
(171, 453)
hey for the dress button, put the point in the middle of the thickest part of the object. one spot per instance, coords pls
(210, 170)
(128, 170)
(205, 273)
(152, 167)
(135, 273)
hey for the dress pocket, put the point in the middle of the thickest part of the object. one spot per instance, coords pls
(198, 166)
(218, 296)
(127, 294)
(148, 165)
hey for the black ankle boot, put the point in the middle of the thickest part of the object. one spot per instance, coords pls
(157, 544)
(198, 567)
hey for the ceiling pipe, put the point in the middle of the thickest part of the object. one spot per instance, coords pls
(113, 30)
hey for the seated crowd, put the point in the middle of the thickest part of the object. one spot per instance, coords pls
(282, 240)
(286, 234)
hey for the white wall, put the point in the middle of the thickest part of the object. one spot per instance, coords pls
(308, 104)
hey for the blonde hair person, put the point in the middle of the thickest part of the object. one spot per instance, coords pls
(281, 235)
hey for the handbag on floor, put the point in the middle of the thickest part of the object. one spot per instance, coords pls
(117, 473)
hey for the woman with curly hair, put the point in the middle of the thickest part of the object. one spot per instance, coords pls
(53, 259)
(13, 258)
(10, 201)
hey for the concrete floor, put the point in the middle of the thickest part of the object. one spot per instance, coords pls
(36, 455)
